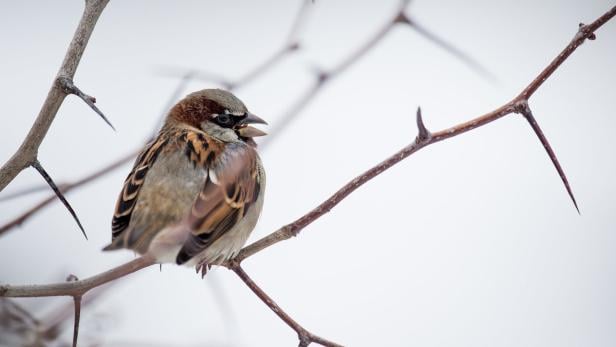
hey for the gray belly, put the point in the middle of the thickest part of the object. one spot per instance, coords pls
(168, 192)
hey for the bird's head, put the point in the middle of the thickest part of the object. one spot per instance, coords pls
(219, 113)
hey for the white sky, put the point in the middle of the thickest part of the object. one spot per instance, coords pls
(470, 242)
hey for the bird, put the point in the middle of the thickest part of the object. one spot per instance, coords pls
(196, 191)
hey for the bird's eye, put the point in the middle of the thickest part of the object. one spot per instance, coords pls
(223, 119)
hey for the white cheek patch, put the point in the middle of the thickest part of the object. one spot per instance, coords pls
(213, 177)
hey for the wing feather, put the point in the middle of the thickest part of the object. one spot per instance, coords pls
(229, 191)
(132, 185)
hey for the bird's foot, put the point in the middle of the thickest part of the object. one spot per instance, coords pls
(203, 268)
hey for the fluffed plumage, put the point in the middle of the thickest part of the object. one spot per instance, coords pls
(196, 191)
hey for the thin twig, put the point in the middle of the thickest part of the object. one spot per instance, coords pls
(25, 191)
(27, 153)
(305, 337)
(451, 49)
(52, 324)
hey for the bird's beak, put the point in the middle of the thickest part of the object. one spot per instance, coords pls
(253, 119)
(247, 131)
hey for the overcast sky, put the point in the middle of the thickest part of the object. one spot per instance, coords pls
(470, 242)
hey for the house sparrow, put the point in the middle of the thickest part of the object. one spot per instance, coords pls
(196, 191)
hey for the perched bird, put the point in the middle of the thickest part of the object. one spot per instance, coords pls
(196, 191)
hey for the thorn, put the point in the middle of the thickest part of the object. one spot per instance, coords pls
(304, 341)
(322, 77)
(582, 29)
(293, 46)
(424, 133)
(59, 194)
(77, 301)
(402, 18)
(69, 87)
(523, 108)
(465, 58)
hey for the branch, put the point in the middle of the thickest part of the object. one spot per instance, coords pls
(324, 77)
(518, 105)
(65, 188)
(27, 153)
(305, 337)
(513, 106)
(291, 45)
(76, 289)
(465, 58)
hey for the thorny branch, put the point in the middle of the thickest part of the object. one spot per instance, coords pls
(519, 104)
(65, 188)
(424, 138)
(289, 46)
(292, 44)
(27, 154)
(76, 289)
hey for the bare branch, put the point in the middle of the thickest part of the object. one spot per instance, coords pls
(65, 188)
(300, 19)
(584, 32)
(76, 288)
(292, 229)
(59, 194)
(456, 52)
(17, 326)
(25, 191)
(424, 138)
(70, 88)
(323, 77)
(265, 66)
(26, 155)
(187, 76)
(290, 46)
(305, 337)
(51, 325)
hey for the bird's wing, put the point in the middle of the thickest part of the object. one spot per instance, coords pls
(128, 196)
(231, 187)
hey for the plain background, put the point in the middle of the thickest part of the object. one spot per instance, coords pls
(470, 242)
